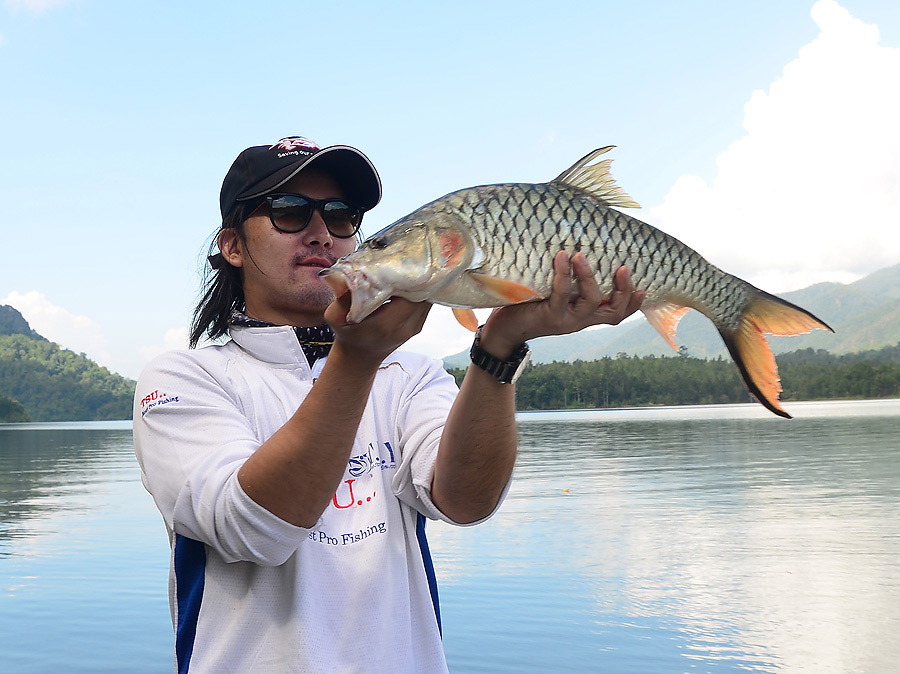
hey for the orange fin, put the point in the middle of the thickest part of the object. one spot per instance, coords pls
(508, 291)
(664, 318)
(466, 318)
(747, 344)
(776, 316)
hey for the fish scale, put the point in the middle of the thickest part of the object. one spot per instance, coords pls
(494, 245)
(499, 230)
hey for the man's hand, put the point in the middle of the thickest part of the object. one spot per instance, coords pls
(380, 333)
(564, 311)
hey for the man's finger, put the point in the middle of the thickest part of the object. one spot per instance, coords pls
(588, 288)
(562, 281)
(623, 289)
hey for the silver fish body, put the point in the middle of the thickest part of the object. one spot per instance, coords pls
(493, 245)
(517, 229)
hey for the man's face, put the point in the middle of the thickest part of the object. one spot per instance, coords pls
(280, 270)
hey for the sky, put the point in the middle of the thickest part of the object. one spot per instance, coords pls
(763, 134)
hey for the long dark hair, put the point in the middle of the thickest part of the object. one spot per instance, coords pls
(223, 289)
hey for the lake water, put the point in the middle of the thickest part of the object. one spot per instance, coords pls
(701, 539)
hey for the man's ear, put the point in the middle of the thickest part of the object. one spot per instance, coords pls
(230, 246)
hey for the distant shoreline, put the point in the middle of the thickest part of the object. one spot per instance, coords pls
(799, 408)
(118, 424)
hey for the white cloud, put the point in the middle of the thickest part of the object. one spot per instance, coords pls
(173, 339)
(812, 191)
(76, 333)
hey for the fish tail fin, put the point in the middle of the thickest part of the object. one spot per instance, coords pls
(765, 314)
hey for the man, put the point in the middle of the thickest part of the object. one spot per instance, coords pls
(295, 465)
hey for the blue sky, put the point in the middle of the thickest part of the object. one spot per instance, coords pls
(762, 133)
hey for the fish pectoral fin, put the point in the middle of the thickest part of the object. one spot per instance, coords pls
(596, 179)
(466, 318)
(664, 318)
(506, 290)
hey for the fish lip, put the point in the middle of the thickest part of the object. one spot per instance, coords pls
(343, 278)
(337, 280)
(336, 269)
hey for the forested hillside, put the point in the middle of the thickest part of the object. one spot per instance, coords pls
(48, 383)
(12, 411)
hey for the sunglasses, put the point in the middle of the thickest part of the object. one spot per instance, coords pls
(291, 213)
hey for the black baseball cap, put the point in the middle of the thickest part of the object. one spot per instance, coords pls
(262, 169)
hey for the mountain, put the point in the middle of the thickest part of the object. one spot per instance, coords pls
(40, 381)
(14, 323)
(864, 315)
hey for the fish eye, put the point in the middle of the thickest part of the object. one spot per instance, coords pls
(379, 242)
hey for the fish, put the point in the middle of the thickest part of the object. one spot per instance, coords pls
(493, 245)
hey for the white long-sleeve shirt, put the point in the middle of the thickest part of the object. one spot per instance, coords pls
(250, 592)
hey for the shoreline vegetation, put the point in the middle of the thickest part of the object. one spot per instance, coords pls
(73, 388)
(649, 381)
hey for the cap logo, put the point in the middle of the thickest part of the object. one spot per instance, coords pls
(292, 143)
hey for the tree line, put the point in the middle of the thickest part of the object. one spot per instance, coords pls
(42, 382)
(12, 411)
(630, 381)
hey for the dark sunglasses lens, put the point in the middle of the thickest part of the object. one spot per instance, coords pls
(341, 219)
(290, 213)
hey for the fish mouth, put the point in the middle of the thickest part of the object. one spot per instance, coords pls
(365, 296)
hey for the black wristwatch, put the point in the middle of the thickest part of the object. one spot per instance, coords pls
(506, 371)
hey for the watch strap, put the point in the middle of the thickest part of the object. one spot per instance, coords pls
(505, 371)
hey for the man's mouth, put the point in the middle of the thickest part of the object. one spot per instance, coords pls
(313, 261)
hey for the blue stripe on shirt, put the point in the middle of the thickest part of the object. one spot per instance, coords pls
(190, 573)
(429, 568)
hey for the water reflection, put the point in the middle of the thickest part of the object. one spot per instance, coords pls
(731, 544)
(632, 541)
(45, 469)
(83, 555)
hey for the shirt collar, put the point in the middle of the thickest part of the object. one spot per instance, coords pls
(313, 342)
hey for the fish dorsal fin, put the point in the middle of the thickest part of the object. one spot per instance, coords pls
(596, 179)
(664, 318)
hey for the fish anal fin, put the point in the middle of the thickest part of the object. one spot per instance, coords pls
(664, 318)
(596, 179)
(466, 318)
(506, 290)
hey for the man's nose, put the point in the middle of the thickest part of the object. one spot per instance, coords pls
(316, 233)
